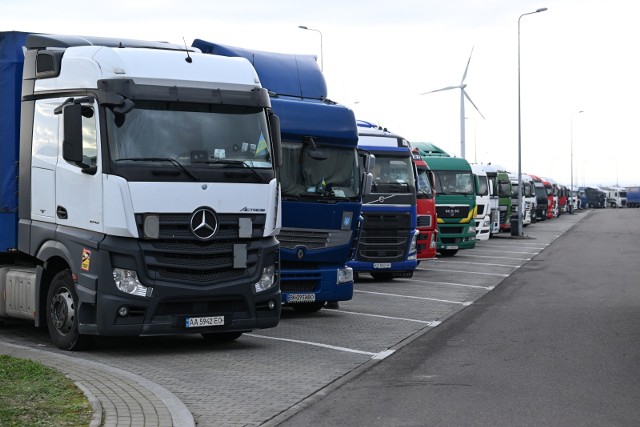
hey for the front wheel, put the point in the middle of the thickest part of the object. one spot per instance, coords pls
(448, 252)
(62, 314)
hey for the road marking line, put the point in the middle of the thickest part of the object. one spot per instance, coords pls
(461, 271)
(505, 251)
(431, 323)
(378, 356)
(489, 288)
(476, 263)
(494, 257)
(413, 297)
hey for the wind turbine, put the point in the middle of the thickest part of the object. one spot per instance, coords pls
(463, 95)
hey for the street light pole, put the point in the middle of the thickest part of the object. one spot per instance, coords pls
(571, 191)
(304, 27)
(518, 231)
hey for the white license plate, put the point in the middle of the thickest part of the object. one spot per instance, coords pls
(381, 265)
(451, 247)
(293, 298)
(199, 322)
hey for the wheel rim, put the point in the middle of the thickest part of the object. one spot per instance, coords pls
(63, 311)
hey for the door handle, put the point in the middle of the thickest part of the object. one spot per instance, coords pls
(61, 212)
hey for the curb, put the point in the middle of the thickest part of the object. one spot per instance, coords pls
(117, 397)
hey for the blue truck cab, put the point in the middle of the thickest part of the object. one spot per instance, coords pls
(387, 246)
(322, 178)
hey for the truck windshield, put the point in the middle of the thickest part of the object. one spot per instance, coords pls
(483, 186)
(190, 134)
(424, 187)
(504, 189)
(328, 172)
(454, 182)
(393, 174)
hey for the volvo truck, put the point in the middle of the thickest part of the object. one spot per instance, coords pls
(139, 191)
(387, 246)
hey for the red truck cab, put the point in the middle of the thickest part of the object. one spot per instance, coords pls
(427, 223)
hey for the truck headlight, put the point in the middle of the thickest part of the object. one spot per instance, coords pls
(345, 275)
(267, 279)
(413, 248)
(127, 282)
(472, 229)
(433, 244)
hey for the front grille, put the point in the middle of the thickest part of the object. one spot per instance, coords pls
(452, 211)
(289, 239)
(424, 220)
(178, 255)
(451, 230)
(503, 217)
(200, 307)
(384, 237)
(298, 286)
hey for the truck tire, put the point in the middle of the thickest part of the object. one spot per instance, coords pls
(448, 252)
(308, 307)
(221, 336)
(62, 317)
(382, 276)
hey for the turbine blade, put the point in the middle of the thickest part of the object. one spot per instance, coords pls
(474, 105)
(440, 90)
(464, 76)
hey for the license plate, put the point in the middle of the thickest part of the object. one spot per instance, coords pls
(381, 265)
(451, 247)
(293, 298)
(199, 322)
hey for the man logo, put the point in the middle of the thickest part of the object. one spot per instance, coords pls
(204, 223)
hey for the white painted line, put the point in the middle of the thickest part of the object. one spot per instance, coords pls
(412, 297)
(317, 344)
(477, 263)
(383, 354)
(380, 316)
(504, 251)
(489, 288)
(493, 257)
(461, 271)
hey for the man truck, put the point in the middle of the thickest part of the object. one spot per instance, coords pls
(139, 195)
(455, 199)
(321, 177)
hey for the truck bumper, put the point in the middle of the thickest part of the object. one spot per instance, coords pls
(314, 285)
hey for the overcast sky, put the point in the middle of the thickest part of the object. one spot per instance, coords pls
(379, 56)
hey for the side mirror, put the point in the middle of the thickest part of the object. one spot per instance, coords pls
(276, 139)
(72, 138)
(367, 182)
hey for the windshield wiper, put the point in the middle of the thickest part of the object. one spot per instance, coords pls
(237, 163)
(162, 159)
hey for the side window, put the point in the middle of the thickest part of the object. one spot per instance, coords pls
(89, 137)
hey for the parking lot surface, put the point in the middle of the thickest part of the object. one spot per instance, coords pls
(266, 376)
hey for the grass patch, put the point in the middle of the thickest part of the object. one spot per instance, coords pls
(32, 394)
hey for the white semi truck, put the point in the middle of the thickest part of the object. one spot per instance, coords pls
(139, 192)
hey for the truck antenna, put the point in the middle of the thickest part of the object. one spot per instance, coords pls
(186, 49)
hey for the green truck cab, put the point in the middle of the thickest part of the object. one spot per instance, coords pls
(455, 199)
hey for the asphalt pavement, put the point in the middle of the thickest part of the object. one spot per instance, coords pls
(555, 344)
(286, 374)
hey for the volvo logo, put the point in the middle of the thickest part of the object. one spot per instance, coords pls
(204, 223)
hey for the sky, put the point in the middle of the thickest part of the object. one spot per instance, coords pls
(578, 67)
